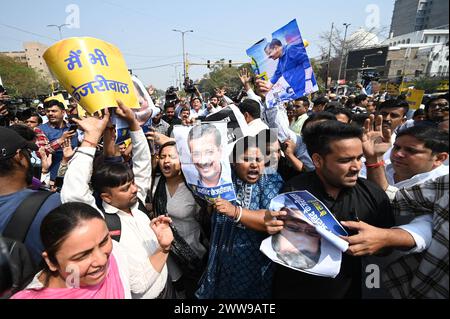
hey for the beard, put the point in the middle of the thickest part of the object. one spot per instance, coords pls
(30, 173)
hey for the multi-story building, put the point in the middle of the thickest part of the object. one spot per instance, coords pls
(420, 53)
(32, 56)
(417, 15)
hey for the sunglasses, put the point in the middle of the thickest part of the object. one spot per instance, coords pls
(442, 106)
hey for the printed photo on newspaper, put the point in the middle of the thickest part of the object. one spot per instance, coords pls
(309, 241)
(204, 159)
(284, 63)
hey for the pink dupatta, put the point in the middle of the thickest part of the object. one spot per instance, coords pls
(110, 288)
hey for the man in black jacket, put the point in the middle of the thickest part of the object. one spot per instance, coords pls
(336, 151)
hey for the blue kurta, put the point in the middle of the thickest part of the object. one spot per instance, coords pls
(236, 267)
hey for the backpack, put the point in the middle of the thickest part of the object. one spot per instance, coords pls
(115, 231)
(114, 224)
(22, 267)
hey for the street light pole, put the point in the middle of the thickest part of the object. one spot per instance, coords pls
(343, 49)
(59, 28)
(184, 52)
(329, 57)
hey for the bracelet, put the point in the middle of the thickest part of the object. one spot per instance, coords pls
(235, 212)
(240, 216)
(93, 144)
(376, 165)
(44, 172)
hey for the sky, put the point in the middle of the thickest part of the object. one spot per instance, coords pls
(142, 30)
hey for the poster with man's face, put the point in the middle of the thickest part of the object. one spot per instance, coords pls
(284, 63)
(309, 240)
(204, 159)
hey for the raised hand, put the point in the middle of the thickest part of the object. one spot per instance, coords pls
(376, 141)
(290, 147)
(244, 76)
(263, 87)
(158, 138)
(46, 160)
(93, 126)
(68, 151)
(128, 115)
(161, 228)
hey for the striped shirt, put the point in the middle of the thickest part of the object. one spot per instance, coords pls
(424, 275)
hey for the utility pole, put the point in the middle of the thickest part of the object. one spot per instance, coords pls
(343, 50)
(184, 52)
(59, 28)
(329, 56)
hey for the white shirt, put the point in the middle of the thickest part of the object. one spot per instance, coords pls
(420, 228)
(256, 126)
(137, 239)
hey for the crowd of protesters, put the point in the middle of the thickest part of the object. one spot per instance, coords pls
(120, 221)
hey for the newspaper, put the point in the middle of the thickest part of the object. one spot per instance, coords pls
(309, 241)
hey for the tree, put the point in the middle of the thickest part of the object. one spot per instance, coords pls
(338, 46)
(20, 80)
(318, 73)
(430, 85)
(222, 76)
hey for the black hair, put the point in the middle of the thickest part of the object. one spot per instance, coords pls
(433, 139)
(359, 119)
(274, 43)
(111, 175)
(26, 132)
(60, 222)
(333, 105)
(251, 107)
(52, 103)
(243, 144)
(319, 116)
(185, 109)
(318, 137)
(395, 103)
(170, 143)
(419, 112)
(305, 100)
(341, 110)
(34, 114)
(360, 98)
(199, 131)
(434, 99)
(350, 102)
(169, 104)
(196, 98)
(321, 101)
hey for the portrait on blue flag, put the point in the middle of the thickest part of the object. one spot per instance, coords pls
(284, 63)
